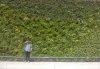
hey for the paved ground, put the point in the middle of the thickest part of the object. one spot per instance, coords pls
(49, 65)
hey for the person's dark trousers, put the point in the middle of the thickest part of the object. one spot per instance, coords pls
(27, 56)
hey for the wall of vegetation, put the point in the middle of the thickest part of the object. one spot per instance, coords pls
(57, 28)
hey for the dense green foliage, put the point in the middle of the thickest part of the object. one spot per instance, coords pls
(58, 28)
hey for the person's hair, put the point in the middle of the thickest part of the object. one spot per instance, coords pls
(29, 42)
(26, 39)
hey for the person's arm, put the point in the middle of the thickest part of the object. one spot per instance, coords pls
(31, 47)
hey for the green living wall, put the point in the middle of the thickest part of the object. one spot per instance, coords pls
(57, 28)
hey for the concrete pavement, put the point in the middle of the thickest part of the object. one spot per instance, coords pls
(49, 65)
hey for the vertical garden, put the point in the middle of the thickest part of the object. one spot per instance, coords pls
(57, 28)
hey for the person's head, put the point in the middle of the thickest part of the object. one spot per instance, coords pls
(27, 39)
(29, 42)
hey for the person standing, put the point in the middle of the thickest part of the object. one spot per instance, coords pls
(28, 49)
